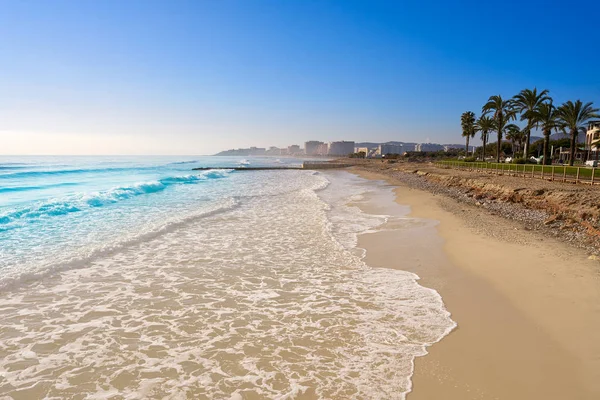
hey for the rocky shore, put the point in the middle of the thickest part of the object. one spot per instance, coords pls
(566, 211)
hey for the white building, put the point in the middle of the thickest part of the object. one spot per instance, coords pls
(342, 148)
(312, 147)
(323, 149)
(592, 137)
(384, 149)
(294, 150)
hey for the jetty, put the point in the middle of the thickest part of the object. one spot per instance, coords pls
(307, 165)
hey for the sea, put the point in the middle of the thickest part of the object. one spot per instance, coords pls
(137, 277)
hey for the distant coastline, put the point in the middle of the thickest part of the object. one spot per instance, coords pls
(298, 151)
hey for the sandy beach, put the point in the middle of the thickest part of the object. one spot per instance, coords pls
(527, 306)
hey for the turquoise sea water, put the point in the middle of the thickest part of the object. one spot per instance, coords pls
(56, 211)
(136, 277)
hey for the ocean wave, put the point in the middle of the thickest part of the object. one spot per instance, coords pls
(14, 165)
(52, 208)
(36, 187)
(45, 173)
(13, 278)
(121, 193)
(183, 162)
(76, 203)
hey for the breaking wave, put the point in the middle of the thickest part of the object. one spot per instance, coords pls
(13, 278)
(76, 203)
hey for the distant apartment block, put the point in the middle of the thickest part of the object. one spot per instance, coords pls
(312, 147)
(273, 151)
(342, 148)
(257, 151)
(323, 149)
(384, 149)
(294, 150)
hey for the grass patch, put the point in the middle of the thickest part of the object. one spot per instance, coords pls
(585, 173)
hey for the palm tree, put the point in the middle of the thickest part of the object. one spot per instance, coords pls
(516, 136)
(546, 116)
(503, 113)
(484, 125)
(467, 122)
(526, 103)
(573, 116)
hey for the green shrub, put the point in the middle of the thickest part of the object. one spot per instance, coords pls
(470, 159)
(519, 160)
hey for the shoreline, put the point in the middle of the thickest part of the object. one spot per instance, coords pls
(564, 211)
(527, 306)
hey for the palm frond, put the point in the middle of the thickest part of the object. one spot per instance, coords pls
(467, 121)
(574, 115)
(528, 100)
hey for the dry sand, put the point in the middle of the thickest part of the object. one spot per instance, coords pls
(527, 306)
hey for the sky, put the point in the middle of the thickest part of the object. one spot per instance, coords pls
(196, 77)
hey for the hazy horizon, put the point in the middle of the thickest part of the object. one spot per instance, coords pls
(196, 78)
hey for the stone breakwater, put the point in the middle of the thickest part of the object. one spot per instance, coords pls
(568, 212)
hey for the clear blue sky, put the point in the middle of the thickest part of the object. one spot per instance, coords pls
(196, 77)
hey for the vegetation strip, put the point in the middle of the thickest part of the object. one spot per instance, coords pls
(539, 112)
(551, 172)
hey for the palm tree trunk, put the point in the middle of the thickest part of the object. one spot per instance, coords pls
(526, 147)
(573, 137)
(467, 147)
(483, 150)
(498, 146)
(547, 157)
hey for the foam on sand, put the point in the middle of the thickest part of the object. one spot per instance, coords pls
(267, 299)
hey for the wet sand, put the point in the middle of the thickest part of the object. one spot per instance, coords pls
(527, 307)
(269, 299)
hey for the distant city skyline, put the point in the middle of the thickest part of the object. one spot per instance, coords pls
(194, 77)
(342, 148)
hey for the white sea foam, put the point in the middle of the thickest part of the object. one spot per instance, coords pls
(266, 299)
(84, 256)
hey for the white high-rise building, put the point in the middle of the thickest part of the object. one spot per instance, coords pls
(293, 149)
(342, 148)
(312, 147)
